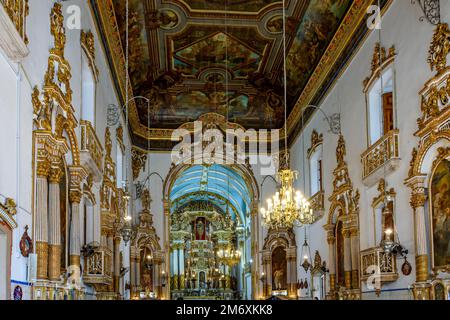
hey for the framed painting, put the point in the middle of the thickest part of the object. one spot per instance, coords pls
(439, 216)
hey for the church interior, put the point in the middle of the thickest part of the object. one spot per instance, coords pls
(224, 150)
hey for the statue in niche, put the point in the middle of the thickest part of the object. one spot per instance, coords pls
(341, 150)
(146, 199)
(279, 267)
(200, 229)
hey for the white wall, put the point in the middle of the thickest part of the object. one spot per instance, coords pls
(16, 122)
(400, 27)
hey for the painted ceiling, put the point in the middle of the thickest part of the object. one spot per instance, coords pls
(192, 57)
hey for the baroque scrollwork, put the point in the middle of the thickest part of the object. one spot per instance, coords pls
(316, 140)
(88, 45)
(139, 159)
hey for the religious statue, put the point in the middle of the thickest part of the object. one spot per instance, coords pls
(146, 199)
(340, 150)
(278, 278)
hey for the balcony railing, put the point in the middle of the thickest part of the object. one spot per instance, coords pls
(17, 11)
(374, 258)
(380, 154)
(91, 147)
(317, 202)
(97, 269)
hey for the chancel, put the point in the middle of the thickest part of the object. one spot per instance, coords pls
(224, 150)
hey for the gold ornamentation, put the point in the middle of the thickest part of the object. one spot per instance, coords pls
(90, 144)
(88, 45)
(422, 273)
(75, 196)
(440, 48)
(383, 193)
(316, 140)
(18, 11)
(317, 202)
(42, 259)
(55, 174)
(54, 263)
(119, 137)
(385, 261)
(380, 60)
(7, 212)
(381, 153)
(139, 159)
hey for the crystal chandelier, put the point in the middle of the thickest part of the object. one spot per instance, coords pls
(229, 257)
(288, 206)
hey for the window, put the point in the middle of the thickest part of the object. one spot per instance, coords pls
(87, 92)
(381, 107)
(316, 175)
(119, 166)
(315, 153)
(383, 214)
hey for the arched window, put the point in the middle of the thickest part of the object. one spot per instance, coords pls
(383, 214)
(88, 91)
(316, 175)
(380, 95)
(315, 154)
(119, 166)
(381, 107)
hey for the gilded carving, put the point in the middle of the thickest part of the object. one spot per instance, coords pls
(18, 11)
(345, 208)
(88, 45)
(440, 48)
(7, 212)
(139, 159)
(316, 140)
(380, 60)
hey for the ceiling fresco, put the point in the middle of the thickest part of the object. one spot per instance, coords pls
(193, 57)
(230, 5)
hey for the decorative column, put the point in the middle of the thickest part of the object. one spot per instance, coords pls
(138, 274)
(41, 228)
(255, 272)
(265, 265)
(166, 237)
(331, 240)
(347, 259)
(354, 238)
(175, 267)
(291, 259)
(418, 199)
(181, 266)
(54, 263)
(75, 199)
(77, 175)
(132, 272)
(117, 264)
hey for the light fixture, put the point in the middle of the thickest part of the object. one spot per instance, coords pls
(306, 254)
(287, 206)
(126, 231)
(229, 257)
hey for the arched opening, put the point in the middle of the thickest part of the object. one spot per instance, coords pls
(88, 91)
(381, 106)
(63, 212)
(209, 231)
(279, 269)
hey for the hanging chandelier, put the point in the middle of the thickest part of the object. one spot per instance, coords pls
(229, 257)
(288, 206)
